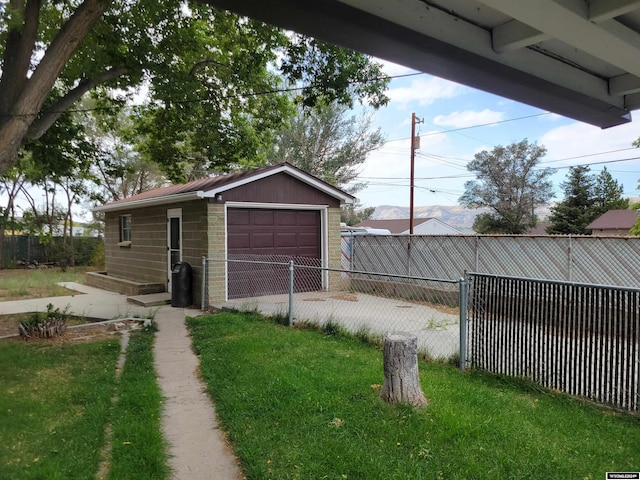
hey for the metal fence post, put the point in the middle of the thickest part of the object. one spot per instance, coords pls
(203, 288)
(464, 290)
(638, 379)
(290, 292)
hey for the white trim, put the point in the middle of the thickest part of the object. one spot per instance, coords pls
(324, 233)
(302, 176)
(172, 213)
(226, 256)
(148, 202)
(276, 206)
(324, 248)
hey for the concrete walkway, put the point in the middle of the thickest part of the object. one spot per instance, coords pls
(197, 447)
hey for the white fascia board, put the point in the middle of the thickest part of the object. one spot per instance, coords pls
(276, 206)
(149, 202)
(304, 177)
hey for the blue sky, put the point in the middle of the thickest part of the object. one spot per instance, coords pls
(440, 163)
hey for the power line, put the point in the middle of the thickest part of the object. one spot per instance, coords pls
(472, 175)
(204, 100)
(441, 132)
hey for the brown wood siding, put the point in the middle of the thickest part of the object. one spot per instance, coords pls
(280, 188)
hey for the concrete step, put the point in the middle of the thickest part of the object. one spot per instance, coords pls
(151, 300)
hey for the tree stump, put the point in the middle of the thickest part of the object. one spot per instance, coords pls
(401, 381)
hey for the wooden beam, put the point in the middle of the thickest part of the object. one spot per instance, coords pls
(514, 35)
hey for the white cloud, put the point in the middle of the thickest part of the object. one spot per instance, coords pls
(580, 139)
(425, 91)
(469, 118)
(582, 144)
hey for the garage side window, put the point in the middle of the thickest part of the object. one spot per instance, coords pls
(125, 228)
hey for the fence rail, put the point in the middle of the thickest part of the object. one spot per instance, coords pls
(587, 259)
(577, 338)
(359, 301)
(581, 339)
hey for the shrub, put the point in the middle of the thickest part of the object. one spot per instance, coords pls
(49, 324)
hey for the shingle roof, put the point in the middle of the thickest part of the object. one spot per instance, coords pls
(615, 219)
(221, 182)
(195, 185)
(395, 226)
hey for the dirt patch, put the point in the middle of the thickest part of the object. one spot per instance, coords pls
(85, 332)
(349, 297)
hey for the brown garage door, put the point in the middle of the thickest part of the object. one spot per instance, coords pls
(280, 235)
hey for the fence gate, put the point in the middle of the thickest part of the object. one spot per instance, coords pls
(577, 338)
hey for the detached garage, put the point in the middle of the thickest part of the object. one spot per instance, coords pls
(274, 213)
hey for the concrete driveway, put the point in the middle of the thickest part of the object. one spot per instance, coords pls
(437, 328)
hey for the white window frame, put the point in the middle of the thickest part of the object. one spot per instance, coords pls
(125, 230)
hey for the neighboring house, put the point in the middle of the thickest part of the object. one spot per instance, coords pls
(614, 222)
(276, 210)
(539, 229)
(421, 226)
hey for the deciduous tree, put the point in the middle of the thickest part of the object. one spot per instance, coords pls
(510, 183)
(214, 80)
(329, 142)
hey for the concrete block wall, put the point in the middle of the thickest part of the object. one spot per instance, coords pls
(216, 242)
(334, 249)
(145, 259)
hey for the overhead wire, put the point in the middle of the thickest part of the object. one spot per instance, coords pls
(203, 100)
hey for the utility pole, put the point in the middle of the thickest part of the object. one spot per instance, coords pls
(415, 144)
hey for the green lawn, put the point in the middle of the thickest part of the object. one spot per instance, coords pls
(302, 404)
(56, 401)
(18, 284)
(138, 447)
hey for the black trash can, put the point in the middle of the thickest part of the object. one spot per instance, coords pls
(181, 290)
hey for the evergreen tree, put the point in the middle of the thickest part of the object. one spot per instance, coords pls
(608, 194)
(587, 197)
(575, 212)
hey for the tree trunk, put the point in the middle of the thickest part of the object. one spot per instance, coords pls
(401, 381)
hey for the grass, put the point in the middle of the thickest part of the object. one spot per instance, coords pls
(54, 403)
(37, 283)
(57, 400)
(138, 448)
(304, 404)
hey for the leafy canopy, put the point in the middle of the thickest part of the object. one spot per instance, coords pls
(509, 184)
(215, 82)
(328, 142)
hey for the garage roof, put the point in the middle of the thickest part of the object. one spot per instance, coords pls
(210, 187)
(577, 58)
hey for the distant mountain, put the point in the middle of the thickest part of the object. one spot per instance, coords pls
(455, 215)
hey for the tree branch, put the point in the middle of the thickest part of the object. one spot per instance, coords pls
(27, 106)
(48, 118)
(19, 47)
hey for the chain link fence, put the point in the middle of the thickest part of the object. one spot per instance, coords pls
(365, 303)
(581, 339)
